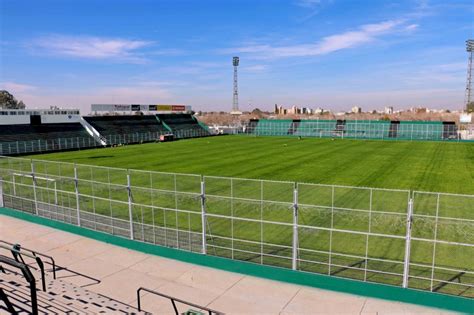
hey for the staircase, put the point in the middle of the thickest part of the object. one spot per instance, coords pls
(93, 132)
(393, 131)
(294, 126)
(60, 297)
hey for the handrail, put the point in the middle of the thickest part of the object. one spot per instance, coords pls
(28, 276)
(9, 305)
(173, 300)
(35, 253)
(17, 255)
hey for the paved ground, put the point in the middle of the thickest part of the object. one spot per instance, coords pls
(122, 271)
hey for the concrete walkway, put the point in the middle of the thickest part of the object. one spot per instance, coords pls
(122, 271)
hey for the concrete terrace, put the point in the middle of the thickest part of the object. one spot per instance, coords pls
(121, 272)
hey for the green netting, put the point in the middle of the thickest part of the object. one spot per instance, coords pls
(358, 129)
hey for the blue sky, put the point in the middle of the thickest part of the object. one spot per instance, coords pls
(318, 53)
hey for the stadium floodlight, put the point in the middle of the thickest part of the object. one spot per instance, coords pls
(468, 97)
(235, 101)
(470, 45)
(235, 61)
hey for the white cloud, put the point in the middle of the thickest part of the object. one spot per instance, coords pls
(411, 27)
(91, 47)
(14, 87)
(364, 34)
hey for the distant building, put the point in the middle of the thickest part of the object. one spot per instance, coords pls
(319, 111)
(356, 109)
(388, 110)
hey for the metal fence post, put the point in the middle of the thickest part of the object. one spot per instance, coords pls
(203, 215)
(295, 228)
(1, 193)
(406, 264)
(34, 187)
(130, 206)
(76, 189)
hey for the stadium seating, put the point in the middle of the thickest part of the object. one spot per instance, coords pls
(316, 128)
(357, 129)
(32, 283)
(183, 125)
(421, 130)
(367, 129)
(123, 125)
(11, 133)
(269, 127)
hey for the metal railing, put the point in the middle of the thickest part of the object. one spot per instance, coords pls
(33, 254)
(173, 301)
(412, 239)
(18, 256)
(78, 143)
(28, 277)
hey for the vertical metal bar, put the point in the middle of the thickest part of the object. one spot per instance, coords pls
(110, 201)
(130, 206)
(76, 189)
(434, 243)
(406, 264)
(330, 232)
(152, 208)
(367, 237)
(176, 210)
(232, 215)
(295, 228)
(14, 184)
(261, 221)
(203, 215)
(55, 193)
(34, 186)
(1, 193)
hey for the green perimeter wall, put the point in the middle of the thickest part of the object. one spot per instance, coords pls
(373, 290)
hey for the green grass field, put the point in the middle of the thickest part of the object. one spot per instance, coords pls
(426, 166)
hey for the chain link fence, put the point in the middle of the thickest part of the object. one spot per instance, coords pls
(412, 239)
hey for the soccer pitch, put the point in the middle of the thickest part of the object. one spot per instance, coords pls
(352, 232)
(426, 166)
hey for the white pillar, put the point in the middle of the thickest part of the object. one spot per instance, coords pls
(130, 206)
(406, 265)
(203, 215)
(1, 193)
(76, 189)
(34, 187)
(295, 228)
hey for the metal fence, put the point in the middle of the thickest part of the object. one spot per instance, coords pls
(411, 239)
(360, 130)
(77, 143)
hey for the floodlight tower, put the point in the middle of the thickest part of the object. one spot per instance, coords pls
(470, 51)
(235, 102)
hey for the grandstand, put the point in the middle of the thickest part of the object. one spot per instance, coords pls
(12, 133)
(356, 129)
(30, 131)
(183, 125)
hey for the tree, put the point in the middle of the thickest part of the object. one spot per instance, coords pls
(8, 101)
(470, 107)
(257, 113)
